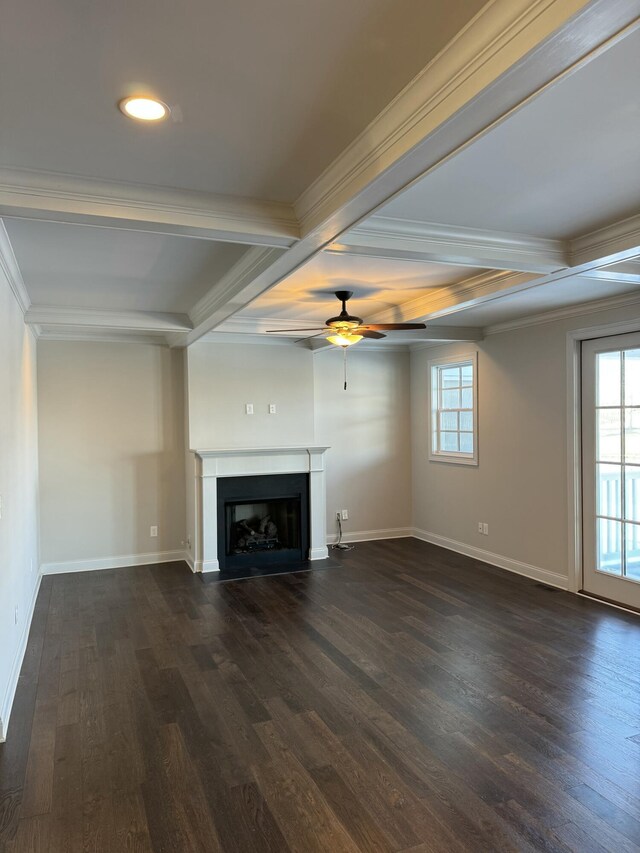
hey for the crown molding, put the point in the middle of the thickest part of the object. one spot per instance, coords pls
(260, 325)
(611, 244)
(73, 199)
(472, 291)
(84, 335)
(540, 40)
(11, 270)
(412, 240)
(223, 337)
(579, 310)
(142, 321)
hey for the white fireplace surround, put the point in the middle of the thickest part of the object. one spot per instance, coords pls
(239, 462)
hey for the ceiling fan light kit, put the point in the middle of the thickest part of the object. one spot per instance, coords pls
(347, 329)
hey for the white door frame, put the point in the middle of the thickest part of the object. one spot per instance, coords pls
(574, 437)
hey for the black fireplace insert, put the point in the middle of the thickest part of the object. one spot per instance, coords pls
(262, 520)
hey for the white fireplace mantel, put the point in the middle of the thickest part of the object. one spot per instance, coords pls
(239, 462)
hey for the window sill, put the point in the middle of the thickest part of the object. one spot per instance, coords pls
(453, 460)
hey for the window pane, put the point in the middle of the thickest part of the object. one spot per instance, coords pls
(466, 421)
(449, 441)
(609, 550)
(632, 377)
(467, 398)
(608, 390)
(609, 441)
(448, 421)
(450, 377)
(467, 374)
(466, 442)
(632, 493)
(609, 490)
(632, 435)
(632, 543)
(451, 399)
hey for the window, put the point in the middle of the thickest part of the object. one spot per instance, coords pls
(454, 434)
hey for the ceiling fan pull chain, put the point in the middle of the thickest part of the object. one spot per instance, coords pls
(344, 354)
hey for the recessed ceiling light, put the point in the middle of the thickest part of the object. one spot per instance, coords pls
(144, 109)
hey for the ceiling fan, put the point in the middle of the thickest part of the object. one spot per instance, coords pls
(347, 330)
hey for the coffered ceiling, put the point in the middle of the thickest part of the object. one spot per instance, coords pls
(458, 163)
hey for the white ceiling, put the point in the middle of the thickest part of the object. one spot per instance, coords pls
(269, 92)
(265, 96)
(85, 267)
(377, 285)
(564, 165)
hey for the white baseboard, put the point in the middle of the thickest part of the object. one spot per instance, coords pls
(186, 556)
(10, 692)
(370, 535)
(529, 571)
(112, 562)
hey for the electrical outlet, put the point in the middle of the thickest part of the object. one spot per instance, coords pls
(0, 506)
(485, 528)
(153, 530)
(479, 527)
(272, 408)
(189, 542)
(345, 514)
(16, 616)
(249, 408)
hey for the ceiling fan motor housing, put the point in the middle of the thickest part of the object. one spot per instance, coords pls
(344, 319)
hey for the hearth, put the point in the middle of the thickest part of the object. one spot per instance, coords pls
(262, 520)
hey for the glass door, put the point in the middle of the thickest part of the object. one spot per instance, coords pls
(611, 468)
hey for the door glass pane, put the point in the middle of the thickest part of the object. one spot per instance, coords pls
(609, 546)
(609, 490)
(632, 436)
(631, 494)
(609, 437)
(608, 383)
(632, 542)
(632, 377)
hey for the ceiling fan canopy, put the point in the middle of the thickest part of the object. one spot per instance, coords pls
(347, 329)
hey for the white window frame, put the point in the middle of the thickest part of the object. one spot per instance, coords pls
(452, 456)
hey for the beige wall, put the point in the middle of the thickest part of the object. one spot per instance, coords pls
(520, 487)
(368, 429)
(111, 450)
(224, 377)
(19, 490)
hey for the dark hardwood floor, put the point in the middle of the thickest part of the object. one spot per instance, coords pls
(413, 700)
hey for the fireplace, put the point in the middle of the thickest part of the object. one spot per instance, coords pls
(262, 520)
(217, 467)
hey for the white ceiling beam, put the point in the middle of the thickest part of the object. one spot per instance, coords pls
(507, 54)
(612, 244)
(140, 321)
(405, 239)
(83, 201)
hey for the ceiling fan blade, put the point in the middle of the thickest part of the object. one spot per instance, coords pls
(368, 333)
(309, 337)
(282, 331)
(396, 326)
